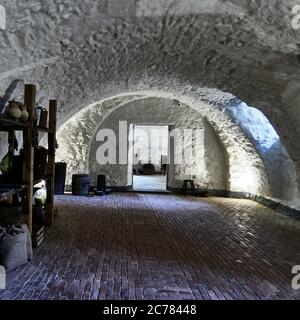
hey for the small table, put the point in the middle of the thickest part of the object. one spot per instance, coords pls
(185, 187)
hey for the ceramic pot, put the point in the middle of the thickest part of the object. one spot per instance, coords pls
(24, 113)
(14, 110)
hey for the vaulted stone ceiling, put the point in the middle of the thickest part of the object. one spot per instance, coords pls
(83, 51)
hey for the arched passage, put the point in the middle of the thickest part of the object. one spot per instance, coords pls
(207, 161)
(242, 148)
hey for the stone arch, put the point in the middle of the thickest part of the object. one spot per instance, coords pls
(241, 152)
(211, 162)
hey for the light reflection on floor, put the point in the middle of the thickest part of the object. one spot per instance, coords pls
(150, 183)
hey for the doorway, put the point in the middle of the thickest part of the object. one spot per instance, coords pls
(150, 157)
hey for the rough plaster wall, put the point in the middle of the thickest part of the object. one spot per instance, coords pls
(192, 148)
(284, 177)
(78, 50)
(159, 112)
(279, 168)
(213, 148)
(83, 51)
(74, 138)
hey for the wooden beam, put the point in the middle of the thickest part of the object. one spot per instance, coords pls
(51, 162)
(29, 101)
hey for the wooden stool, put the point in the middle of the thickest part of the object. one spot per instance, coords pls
(185, 187)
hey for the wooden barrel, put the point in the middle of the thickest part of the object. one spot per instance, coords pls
(60, 177)
(80, 184)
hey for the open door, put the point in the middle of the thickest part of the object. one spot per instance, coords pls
(150, 150)
(130, 154)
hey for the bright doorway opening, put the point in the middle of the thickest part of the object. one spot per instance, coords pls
(150, 157)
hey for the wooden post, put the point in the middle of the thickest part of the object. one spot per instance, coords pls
(29, 101)
(51, 162)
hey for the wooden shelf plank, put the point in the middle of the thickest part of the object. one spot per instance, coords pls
(29, 101)
(44, 129)
(51, 162)
(9, 124)
(10, 190)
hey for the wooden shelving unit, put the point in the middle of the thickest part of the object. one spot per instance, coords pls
(7, 124)
(51, 162)
(8, 190)
(29, 130)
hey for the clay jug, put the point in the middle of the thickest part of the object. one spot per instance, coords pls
(24, 113)
(14, 110)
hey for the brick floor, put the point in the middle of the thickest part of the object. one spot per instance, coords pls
(135, 246)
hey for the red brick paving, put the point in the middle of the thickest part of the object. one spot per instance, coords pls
(135, 246)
